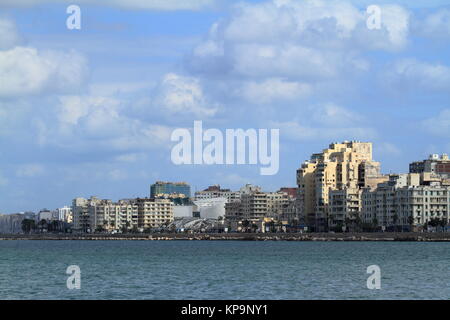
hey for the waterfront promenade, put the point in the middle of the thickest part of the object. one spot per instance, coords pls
(385, 236)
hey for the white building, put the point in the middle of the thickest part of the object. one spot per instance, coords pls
(64, 214)
(183, 211)
(45, 214)
(404, 202)
(211, 208)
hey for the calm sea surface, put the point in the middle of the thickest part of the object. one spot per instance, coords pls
(223, 270)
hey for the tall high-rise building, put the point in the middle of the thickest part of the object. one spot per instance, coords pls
(343, 166)
(164, 189)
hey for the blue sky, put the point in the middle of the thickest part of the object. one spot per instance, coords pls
(90, 112)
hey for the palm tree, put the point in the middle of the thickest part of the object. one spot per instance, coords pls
(443, 223)
(28, 225)
(375, 222)
(411, 222)
(394, 220)
(245, 224)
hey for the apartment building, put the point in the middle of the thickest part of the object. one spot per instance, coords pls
(343, 166)
(344, 206)
(95, 214)
(257, 206)
(435, 164)
(65, 214)
(214, 192)
(164, 189)
(405, 202)
(153, 213)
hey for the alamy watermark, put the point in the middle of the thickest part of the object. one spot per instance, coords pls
(374, 280)
(373, 21)
(74, 20)
(236, 146)
(74, 280)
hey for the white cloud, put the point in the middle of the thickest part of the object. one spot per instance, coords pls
(334, 115)
(97, 108)
(436, 25)
(438, 125)
(117, 175)
(98, 124)
(388, 149)
(130, 157)
(9, 36)
(274, 89)
(178, 94)
(414, 74)
(128, 4)
(393, 35)
(30, 170)
(116, 88)
(326, 122)
(25, 71)
(293, 130)
(301, 40)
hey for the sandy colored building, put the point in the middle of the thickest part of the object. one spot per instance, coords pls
(404, 202)
(343, 166)
(95, 214)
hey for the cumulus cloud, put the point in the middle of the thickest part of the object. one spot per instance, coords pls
(326, 122)
(387, 148)
(128, 4)
(333, 115)
(9, 36)
(393, 34)
(294, 130)
(436, 25)
(438, 125)
(414, 74)
(274, 89)
(25, 71)
(98, 123)
(302, 40)
(178, 94)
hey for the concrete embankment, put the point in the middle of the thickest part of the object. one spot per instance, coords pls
(387, 236)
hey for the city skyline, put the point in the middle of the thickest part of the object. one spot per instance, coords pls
(186, 184)
(90, 111)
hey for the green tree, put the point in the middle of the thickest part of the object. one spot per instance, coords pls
(28, 225)
(245, 225)
(443, 223)
(395, 220)
(375, 222)
(411, 222)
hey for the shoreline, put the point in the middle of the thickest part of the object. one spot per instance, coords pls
(386, 236)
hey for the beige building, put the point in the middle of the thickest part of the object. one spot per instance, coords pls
(404, 202)
(213, 192)
(256, 206)
(344, 207)
(343, 166)
(95, 214)
(153, 213)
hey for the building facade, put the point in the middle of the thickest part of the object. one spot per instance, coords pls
(338, 172)
(95, 214)
(163, 189)
(435, 164)
(404, 203)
